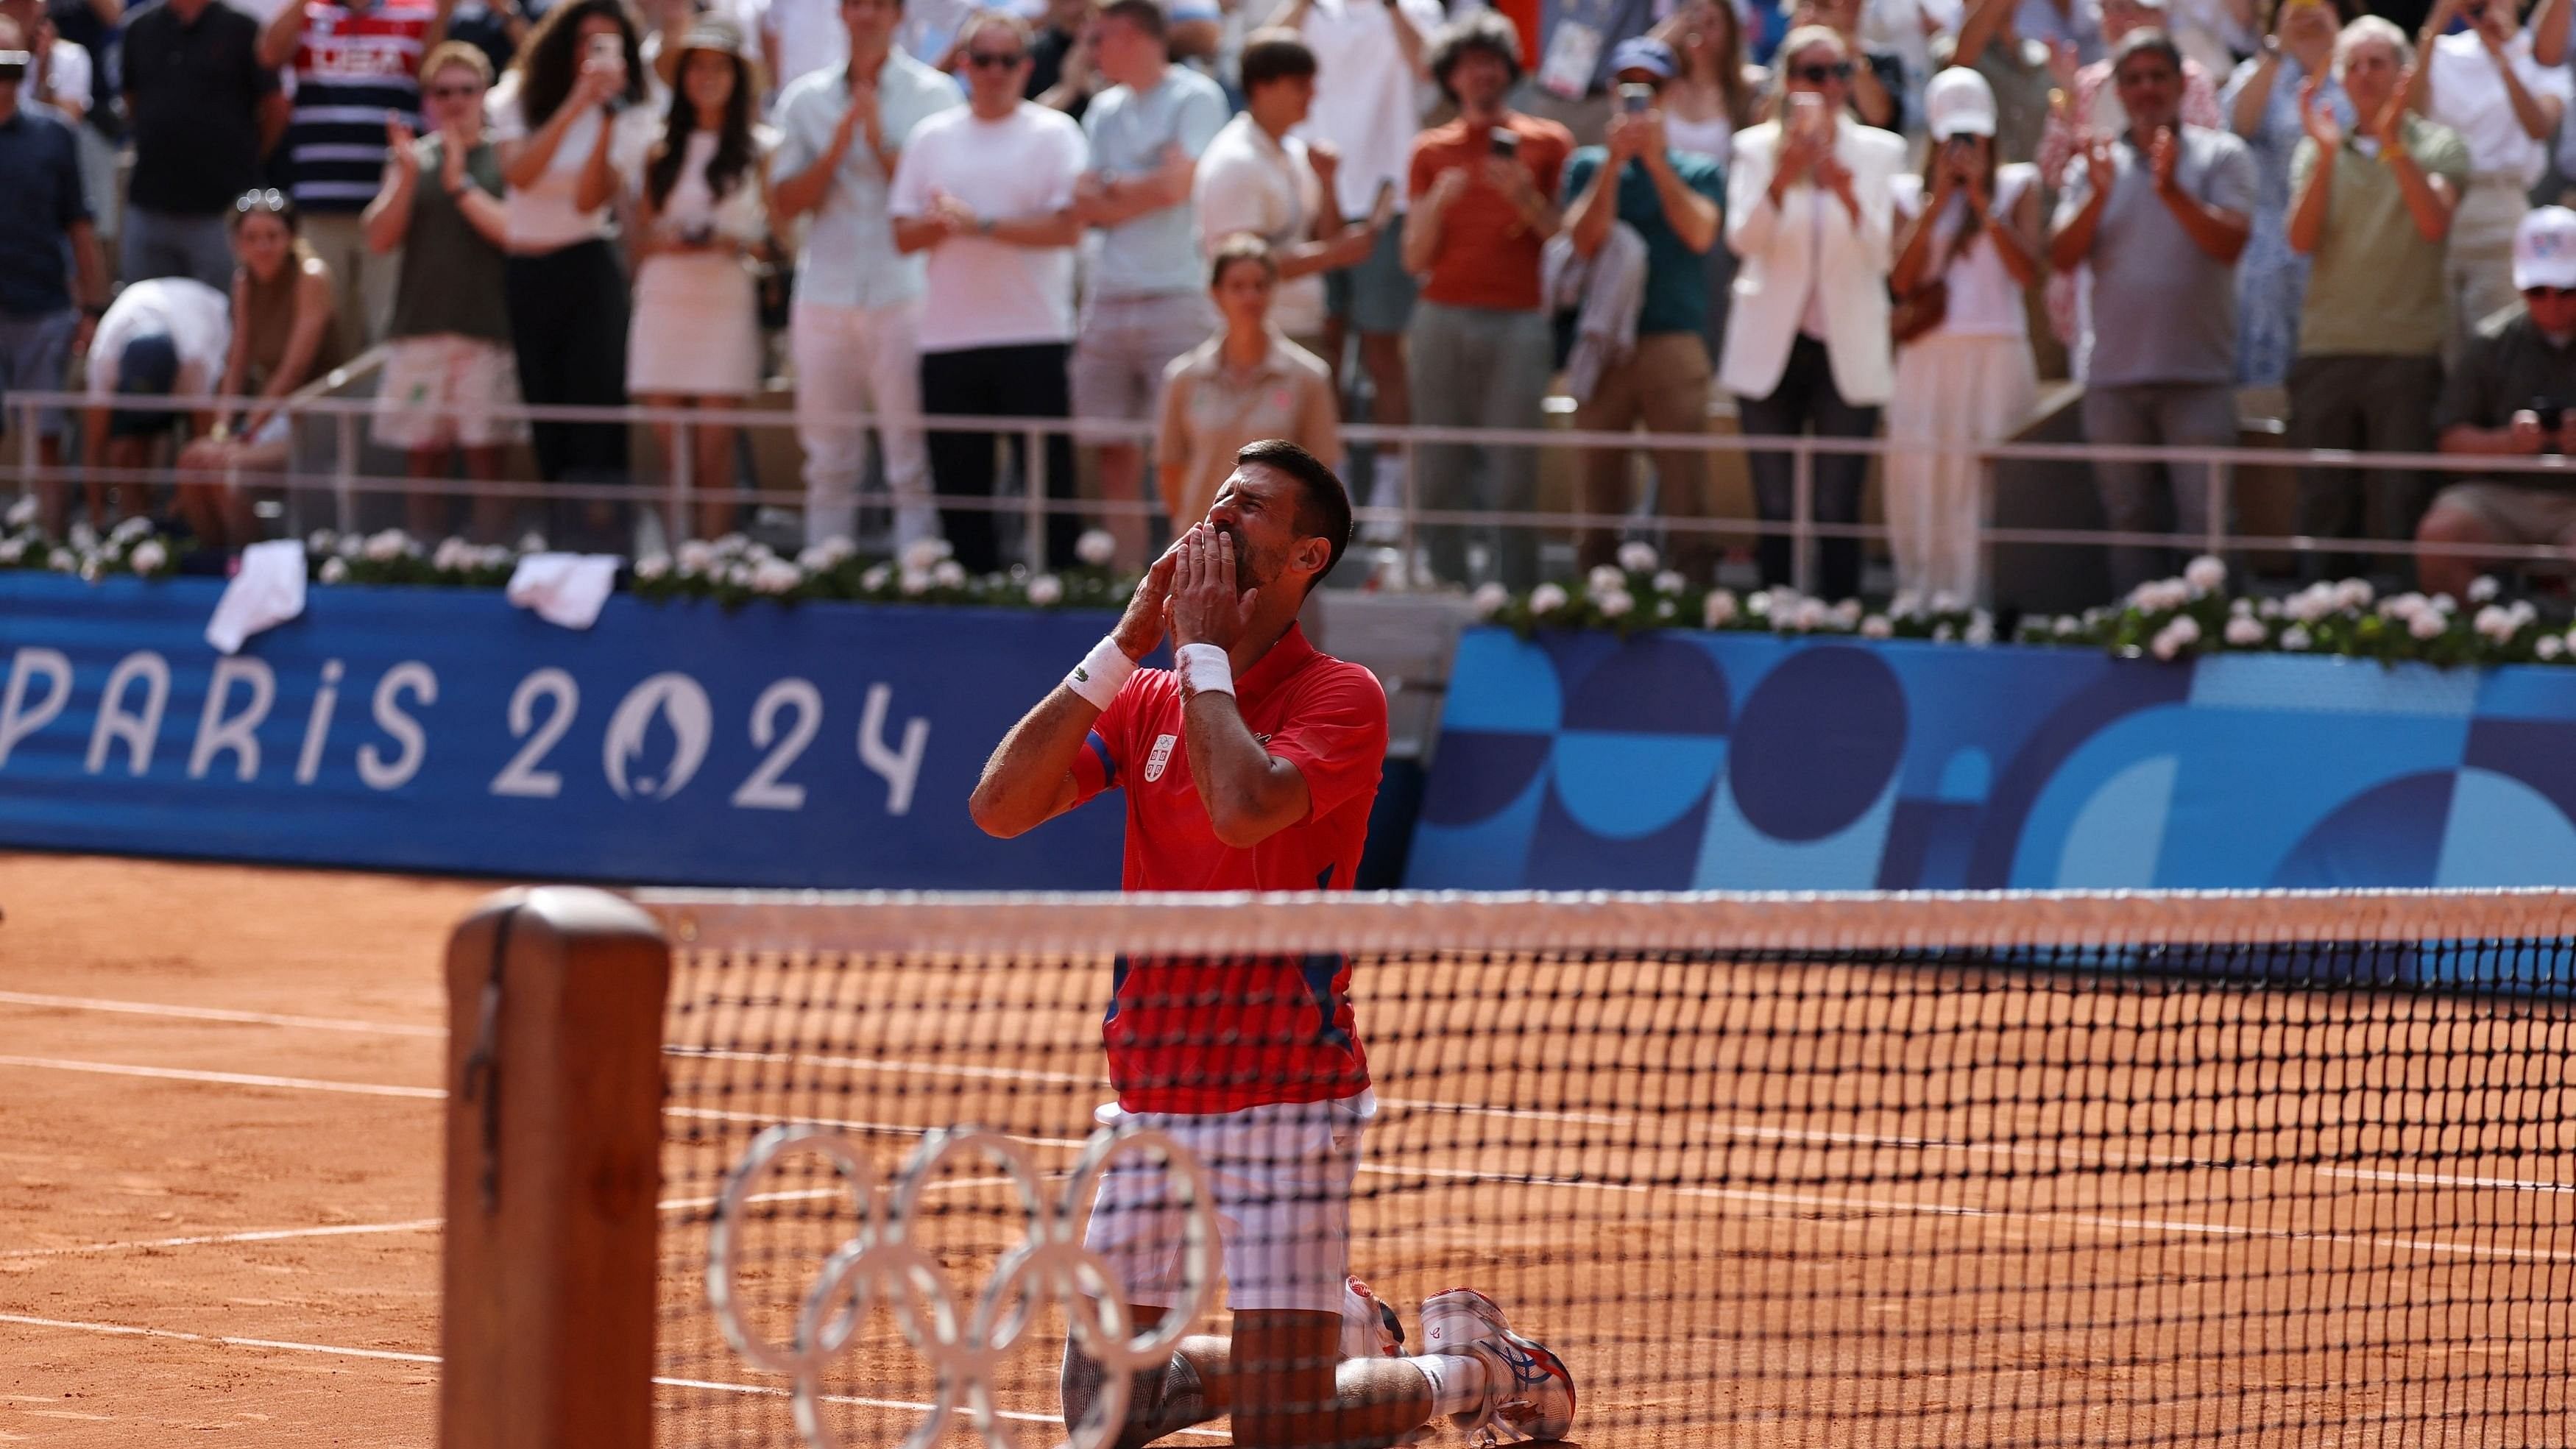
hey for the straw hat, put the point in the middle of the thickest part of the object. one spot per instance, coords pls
(721, 35)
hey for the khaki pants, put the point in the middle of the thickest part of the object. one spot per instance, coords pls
(1665, 387)
(362, 281)
(2477, 269)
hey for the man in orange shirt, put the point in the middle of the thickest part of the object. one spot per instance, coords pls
(1483, 189)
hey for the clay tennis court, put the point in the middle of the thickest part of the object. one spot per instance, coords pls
(1780, 1203)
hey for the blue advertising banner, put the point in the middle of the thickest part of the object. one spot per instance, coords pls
(825, 745)
(1748, 761)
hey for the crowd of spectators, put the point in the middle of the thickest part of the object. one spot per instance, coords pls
(1213, 220)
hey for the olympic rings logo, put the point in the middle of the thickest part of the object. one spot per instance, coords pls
(882, 1264)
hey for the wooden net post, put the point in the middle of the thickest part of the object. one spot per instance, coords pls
(554, 1077)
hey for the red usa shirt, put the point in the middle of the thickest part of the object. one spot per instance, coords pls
(1216, 1036)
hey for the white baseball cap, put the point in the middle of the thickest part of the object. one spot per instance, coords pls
(1958, 102)
(2544, 249)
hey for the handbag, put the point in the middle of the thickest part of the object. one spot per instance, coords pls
(1918, 312)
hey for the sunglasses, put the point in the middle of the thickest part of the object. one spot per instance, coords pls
(442, 93)
(994, 59)
(1816, 75)
(13, 64)
(271, 200)
(2548, 294)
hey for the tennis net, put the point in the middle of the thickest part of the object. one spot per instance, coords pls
(1848, 1170)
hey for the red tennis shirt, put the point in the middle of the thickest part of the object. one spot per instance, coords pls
(1217, 1035)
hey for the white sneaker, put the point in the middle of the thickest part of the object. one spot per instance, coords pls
(1529, 1394)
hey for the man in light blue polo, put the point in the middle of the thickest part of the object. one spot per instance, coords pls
(855, 329)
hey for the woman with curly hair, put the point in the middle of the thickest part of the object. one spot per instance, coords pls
(569, 120)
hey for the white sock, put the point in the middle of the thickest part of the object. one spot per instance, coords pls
(1457, 1382)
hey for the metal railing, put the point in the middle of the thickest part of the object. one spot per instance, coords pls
(678, 491)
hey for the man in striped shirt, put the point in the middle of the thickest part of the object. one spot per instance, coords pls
(356, 67)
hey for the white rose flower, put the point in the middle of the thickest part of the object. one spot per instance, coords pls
(1490, 598)
(2403, 606)
(1905, 605)
(2207, 574)
(1946, 602)
(2164, 646)
(2068, 626)
(1877, 626)
(1603, 579)
(532, 542)
(2185, 629)
(83, 539)
(12, 549)
(653, 566)
(1638, 557)
(93, 567)
(948, 573)
(148, 557)
(1546, 599)
(452, 553)
(914, 582)
(2484, 588)
(697, 556)
(2445, 604)
(2268, 609)
(1614, 603)
(335, 570)
(1942, 633)
(1095, 547)
(1665, 608)
(387, 546)
(1981, 629)
(816, 558)
(2522, 612)
(737, 574)
(22, 512)
(2244, 632)
(2240, 609)
(130, 530)
(1670, 582)
(63, 561)
(876, 577)
(733, 545)
(1809, 615)
(2295, 638)
(2494, 622)
(775, 576)
(1719, 609)
(2548, 648)
(492, 556)
(2428, 624)
(1046, 591)
(351, 545)
(1845, 615)
(2354, 594)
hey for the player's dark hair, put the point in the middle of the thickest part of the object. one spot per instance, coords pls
(1481, 30)
(1326, 511)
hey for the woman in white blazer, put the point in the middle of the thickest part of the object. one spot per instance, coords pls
(1809, 212)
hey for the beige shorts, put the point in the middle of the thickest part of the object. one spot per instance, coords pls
(2515, 513)
(444, 391)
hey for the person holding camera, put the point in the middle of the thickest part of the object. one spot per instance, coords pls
(1810, 212)
(568, 121)
(1671, 200)
(2509, 398)
(1483, 189)
(1964, 370)
(701, 205)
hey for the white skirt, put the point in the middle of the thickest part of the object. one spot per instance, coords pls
(696, 327)
(1959, 390)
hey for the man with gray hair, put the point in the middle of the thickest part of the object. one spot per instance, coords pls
(2160, 214)
(2372, 210)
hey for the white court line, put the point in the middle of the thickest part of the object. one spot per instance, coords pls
(228, 1079)
(764, 1390)
(215, 1013)
(2445, 1179)
(1725, 1194)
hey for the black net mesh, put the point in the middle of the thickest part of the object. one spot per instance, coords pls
(2019, 1194)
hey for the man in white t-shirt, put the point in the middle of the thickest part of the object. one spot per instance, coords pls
(987, 191)
(1257, 177)
(161, 337)
(1147, 299)
(1369, 99)
(2484, 84)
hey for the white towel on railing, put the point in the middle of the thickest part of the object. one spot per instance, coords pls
(268, 591)
(564, 588)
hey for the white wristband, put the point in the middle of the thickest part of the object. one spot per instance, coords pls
(1098, 677)
(1203, 669)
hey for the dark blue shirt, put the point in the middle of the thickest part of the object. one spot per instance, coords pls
(1676, 277)
(40, 174)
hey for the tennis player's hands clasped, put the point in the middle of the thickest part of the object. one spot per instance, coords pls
(1141, 627)
(1206, 606)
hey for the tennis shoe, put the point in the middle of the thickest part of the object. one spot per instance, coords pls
(1370, 1328)
(1529, 1394)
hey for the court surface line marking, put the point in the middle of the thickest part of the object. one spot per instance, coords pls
(1723, 1194)
(124, 1330)
(1399, 1104)
(215, 1013)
